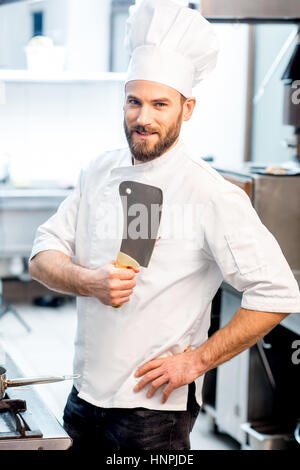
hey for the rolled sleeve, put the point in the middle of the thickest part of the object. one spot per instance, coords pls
(58, 232)
(247, 254)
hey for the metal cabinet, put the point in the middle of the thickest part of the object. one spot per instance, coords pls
(258, 387)
(232, 379)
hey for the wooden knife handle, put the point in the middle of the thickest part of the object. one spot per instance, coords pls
(125, 261)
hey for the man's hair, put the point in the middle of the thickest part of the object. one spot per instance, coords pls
(182, 99)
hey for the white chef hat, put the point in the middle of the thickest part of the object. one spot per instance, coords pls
(170, 44)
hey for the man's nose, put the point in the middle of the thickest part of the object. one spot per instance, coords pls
(144, 117)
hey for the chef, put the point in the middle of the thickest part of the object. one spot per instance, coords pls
(142, 365)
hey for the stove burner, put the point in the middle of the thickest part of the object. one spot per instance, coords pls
(13, 414)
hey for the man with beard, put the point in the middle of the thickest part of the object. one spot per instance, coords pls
(153, 117)
(142, 366)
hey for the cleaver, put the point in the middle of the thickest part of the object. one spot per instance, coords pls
(142, 206)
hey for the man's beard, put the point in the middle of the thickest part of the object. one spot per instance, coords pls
(141, 150)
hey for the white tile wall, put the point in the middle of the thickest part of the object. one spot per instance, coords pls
(51, 130)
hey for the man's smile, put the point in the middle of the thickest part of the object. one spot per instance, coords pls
(144, 135)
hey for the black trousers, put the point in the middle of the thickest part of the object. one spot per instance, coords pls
(120, 429)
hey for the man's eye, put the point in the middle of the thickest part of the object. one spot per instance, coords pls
(160, 105)
(133, 101)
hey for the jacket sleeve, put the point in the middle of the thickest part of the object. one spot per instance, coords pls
(58, 232)
(247, 254)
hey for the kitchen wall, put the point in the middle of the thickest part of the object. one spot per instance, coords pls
(218, 125)
(82, 26)
(50, 130)
(14, 34)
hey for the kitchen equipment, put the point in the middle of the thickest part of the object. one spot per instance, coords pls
(291, 109)
(140, 232)
(255, 397)
(20, 382)
(267, 11)
(263, 436)
(250, 11)
(26, 208)
(16, 426)
(26, 422)
(276, 199)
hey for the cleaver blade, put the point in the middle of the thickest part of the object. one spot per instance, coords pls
(142, 206)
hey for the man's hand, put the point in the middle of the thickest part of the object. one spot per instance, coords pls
(112, 286)
(174, 371)
(245, 329)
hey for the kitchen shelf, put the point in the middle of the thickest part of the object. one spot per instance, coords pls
(28, 76)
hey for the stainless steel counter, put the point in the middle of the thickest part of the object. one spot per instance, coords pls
(54, 436)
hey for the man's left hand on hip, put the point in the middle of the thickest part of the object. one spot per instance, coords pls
(174, 371)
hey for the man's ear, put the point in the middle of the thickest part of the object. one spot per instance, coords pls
(188, 108)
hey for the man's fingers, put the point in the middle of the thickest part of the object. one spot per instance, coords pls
(124, 273)
(154, 374)
(126, 285)
(148, 366)
(166, 392)
(117, 285)
(120, 301)
(126, 292)
(136, 270)
(156, 384)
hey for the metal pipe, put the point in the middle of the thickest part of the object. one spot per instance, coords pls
(19, 382)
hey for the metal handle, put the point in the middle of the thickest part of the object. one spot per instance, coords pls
(297, 433)
(19, 382)
(265, 362)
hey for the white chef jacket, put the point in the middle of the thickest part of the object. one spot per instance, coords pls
(209, 232)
